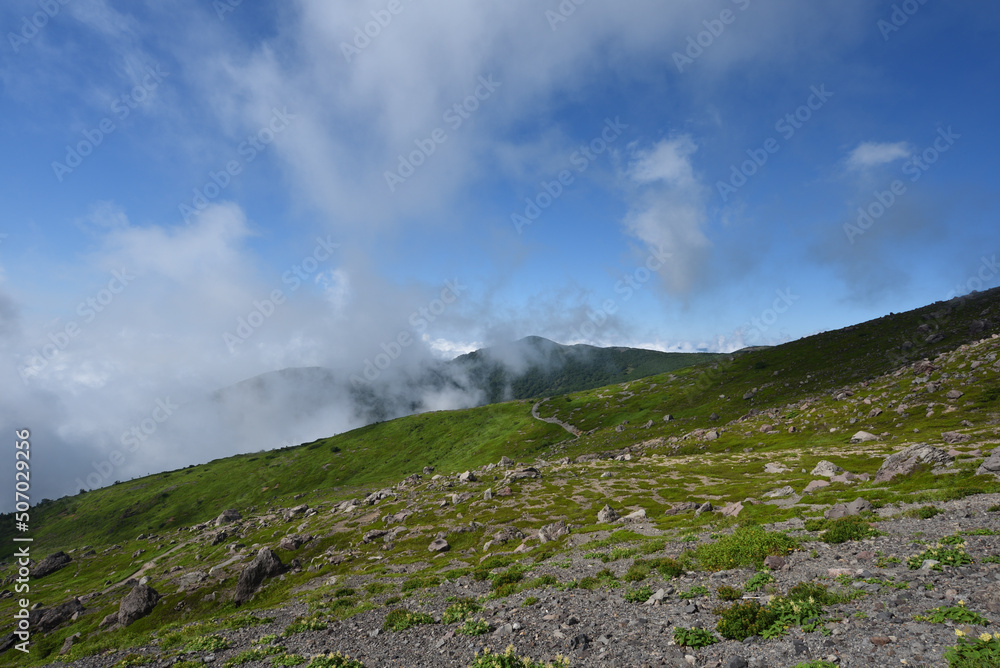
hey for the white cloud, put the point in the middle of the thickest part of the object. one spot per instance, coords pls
(873, 154)
(668, 211)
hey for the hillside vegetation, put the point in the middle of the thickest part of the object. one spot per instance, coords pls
(356, 517)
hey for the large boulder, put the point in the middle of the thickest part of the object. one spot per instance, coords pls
(905, 461)
(826, 469)
(137, 604)
(991, 466)
(228, 517)
(864, 436)
(855, 507)
(50, 564)
(439, 545)
(607, 514)
(46, 619)
(265, 565)
(953, 437)
(551, 532)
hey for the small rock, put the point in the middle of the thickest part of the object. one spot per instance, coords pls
(704, 508)
(732, 509)
(864, 436)
(438, 545)
(774, 562)
(607, 514)
(816, 484)
(826, 469)
(467, 476)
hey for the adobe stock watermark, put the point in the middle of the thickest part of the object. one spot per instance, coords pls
(130, 441)
(454, 116)
(755, 327)
(419, 321)
(899, 17)
(247, 151)
(363, 35)
(787, 125)
(563, 11)
(264, 308)
(580, 159)
(31, 25)
(121, 108)
(698, 43)
(88, 309)
(626, 287)
(988, 270)
(225, 7)
(914, 168)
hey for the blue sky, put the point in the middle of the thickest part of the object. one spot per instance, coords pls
(204, 148)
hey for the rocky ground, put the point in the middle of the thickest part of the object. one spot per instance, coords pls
(599, 627)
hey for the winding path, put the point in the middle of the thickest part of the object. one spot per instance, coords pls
(565, 425)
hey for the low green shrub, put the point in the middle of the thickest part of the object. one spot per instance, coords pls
(727, 593)
(694, 638)
(745, 619)
(400, 620)
(983, 652)
(758, 580)
(460, 611)
(638, 595)
(335, 660)
(746, 546)
(474, 628)
(510, 660)
(848, 528)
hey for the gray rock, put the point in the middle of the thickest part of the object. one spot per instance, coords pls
(553, 531)
(50, 564)
(991, 466)
(190, 580)
(781, 491)
(679, 508)
(293, 541)
(137, 604)
(826, 469)
(732, 509)
(607, 514)
(952, 437)
(228, 517)
(955, 394)
(507, 534)
(905, 461)
(525, 474)
(467, 476)
(636, 516)
(439, 545)
(46, 619)
(265, 565)
(68, 643)
(864, 436)
(855, 507)
(704, 508)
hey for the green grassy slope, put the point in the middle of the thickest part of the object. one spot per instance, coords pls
(351, 463)
(557, 369)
